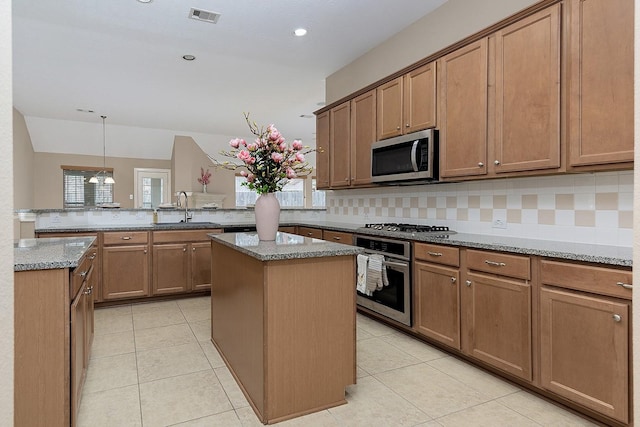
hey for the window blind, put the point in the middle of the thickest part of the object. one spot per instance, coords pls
(78, 192)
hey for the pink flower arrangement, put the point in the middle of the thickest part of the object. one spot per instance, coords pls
(269, 161)
(205, 177)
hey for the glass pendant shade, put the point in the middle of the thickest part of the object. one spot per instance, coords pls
(108, 180)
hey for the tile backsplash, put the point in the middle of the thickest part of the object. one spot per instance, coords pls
(595, 208)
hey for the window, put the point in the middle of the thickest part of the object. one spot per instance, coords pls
(78, 192)
(291, 196)
(318, 197)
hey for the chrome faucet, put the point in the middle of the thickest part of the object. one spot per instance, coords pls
(187, 214)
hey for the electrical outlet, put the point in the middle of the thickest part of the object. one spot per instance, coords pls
(55, 218)
(499, 223)
(130, 196)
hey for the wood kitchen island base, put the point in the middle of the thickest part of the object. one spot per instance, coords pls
(285, 327)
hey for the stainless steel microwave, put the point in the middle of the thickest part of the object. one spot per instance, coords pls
(411, 157)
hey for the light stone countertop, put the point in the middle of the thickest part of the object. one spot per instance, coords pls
(286, 246)
(49, 253)
(601, 254)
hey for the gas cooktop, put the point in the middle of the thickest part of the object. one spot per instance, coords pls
(410, 228)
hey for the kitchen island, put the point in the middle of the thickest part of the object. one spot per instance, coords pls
(283, 319)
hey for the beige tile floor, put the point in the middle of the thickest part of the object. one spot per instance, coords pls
(154, 365)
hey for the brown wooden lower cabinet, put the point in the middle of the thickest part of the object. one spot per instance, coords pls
(585, 321)
(125, 272)
(315, 233)
(53, 336)
(181, 261)
(437, 303)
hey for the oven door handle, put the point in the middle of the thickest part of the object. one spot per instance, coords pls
(396, 264)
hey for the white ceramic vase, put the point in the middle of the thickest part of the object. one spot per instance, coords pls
(204, 188)
(267, 211)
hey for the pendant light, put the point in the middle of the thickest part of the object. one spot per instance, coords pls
(107, 179)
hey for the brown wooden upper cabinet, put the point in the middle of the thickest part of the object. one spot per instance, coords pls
(322, 153)
(600, 64)
(408, 103)
(352, 130)
(462, 97)
(527, 101)
(500, 101)
(339, 145)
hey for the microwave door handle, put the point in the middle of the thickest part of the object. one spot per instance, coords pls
(414, 152)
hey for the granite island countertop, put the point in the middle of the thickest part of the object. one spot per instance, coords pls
(286, 246)
(49, 253)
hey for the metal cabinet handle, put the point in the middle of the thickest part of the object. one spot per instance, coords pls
(480, 164)
(468, 283)
(496, 162)
(495, 264)
(92, 256)
(84, 273)
(194, 249)
(126, 237)
(435, 253)
(145, 251)
(184, 249)
(625, 285)
(397, 127)
(454, 280)
(406, 125)
(336, 238)
(617, 318)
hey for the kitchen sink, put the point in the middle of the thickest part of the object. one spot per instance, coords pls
(190, 224)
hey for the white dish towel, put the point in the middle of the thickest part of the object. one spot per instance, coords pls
(361, 284)
(376, 274)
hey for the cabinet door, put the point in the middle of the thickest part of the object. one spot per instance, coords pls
(363, 134)
(600, 101)
(437, 303)
(498, 323)
(527, 116)
(170, 268)
(420, 99)
(584, 344)
(337, 236)
(463, 111)
(340, 142)
(125, 271)
(201, 266)
(78, 346)
(322, 153)
(389, 101)
(89, 330)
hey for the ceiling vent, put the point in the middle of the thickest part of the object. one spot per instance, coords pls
(204, 15)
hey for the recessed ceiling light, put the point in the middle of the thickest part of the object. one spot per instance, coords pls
(306, 116)
(188, 57)
(300, 32)
(321, 104)
(84, 110)
(145, 1)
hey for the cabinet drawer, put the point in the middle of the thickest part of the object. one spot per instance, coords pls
(338, 237)
(80, 273)
(310, 232)
(183, 235)
(588, 278)
(498, 263)
(125, 237)
(437, 254)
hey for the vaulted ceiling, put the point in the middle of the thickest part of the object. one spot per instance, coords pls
(123, 59)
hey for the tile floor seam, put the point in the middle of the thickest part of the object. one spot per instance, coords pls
(137, 374)
(176, 376)
(516, 411)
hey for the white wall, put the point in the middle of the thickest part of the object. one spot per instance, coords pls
(450, 23)
(6, 218)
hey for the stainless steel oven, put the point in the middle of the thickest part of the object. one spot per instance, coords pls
(394, 300)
